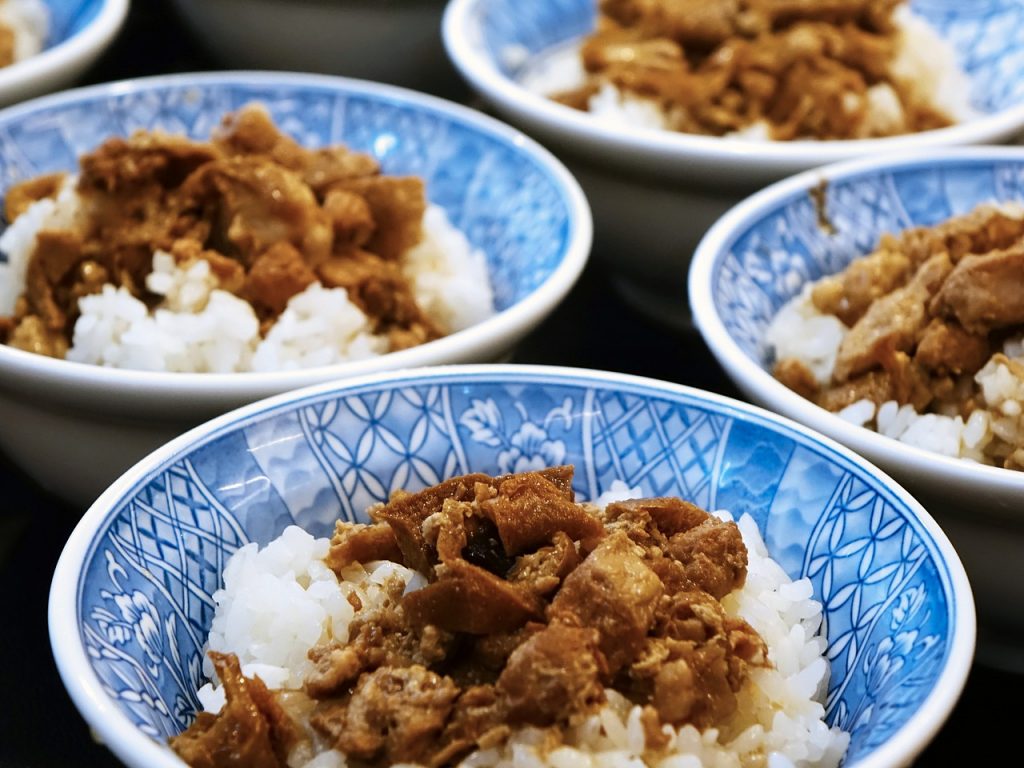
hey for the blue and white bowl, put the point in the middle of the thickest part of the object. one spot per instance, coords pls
(511, 197)
(762, 253)
(78, 32)
(131, 603)
(655, 193)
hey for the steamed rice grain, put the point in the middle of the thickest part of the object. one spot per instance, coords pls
(199, 328)
(276, 604)
(924, 61)
(799, 331)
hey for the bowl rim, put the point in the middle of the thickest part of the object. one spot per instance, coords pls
(228, 387)
(464, 47)
(135, 748)
(52, 61)
(762, 386)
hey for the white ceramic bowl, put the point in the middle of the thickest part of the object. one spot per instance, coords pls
(390, 41)
(760, 255)
(898, 612)
(75, 427)
(80, 30)
(654, 193)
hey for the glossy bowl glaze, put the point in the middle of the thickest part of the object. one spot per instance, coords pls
(761, 254)
(655, 193)
(131, 603)
(76, 427)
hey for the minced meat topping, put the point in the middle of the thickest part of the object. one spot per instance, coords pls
(269, 216)
(927, 310)
(819, 69)
(534, 606)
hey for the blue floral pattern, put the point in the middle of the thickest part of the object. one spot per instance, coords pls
(508, 204)
(777, 250)
(145, 593)
(529, 448)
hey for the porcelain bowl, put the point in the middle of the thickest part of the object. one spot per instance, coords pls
(391, 41)
(762, 253)
(78, 31)
(898, 607)
(76, 427)
(655, 193)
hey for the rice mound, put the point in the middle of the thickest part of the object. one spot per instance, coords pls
(800, 331)
(199, 328)
(280, 601)
(925, 60)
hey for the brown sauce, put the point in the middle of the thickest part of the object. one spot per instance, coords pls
(535, 606)
(269, 216)
(806, 69)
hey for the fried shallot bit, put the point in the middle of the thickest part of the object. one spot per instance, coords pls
(251, 730)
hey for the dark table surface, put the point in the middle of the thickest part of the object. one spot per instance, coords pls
(592, 329)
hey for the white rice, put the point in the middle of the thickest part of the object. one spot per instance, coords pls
(448, 277)
(928, 63)
(319, 327)
(18, 241)
(199, 328)
(30, 21)
(799, 331)
(924, 61)
(278, 602)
